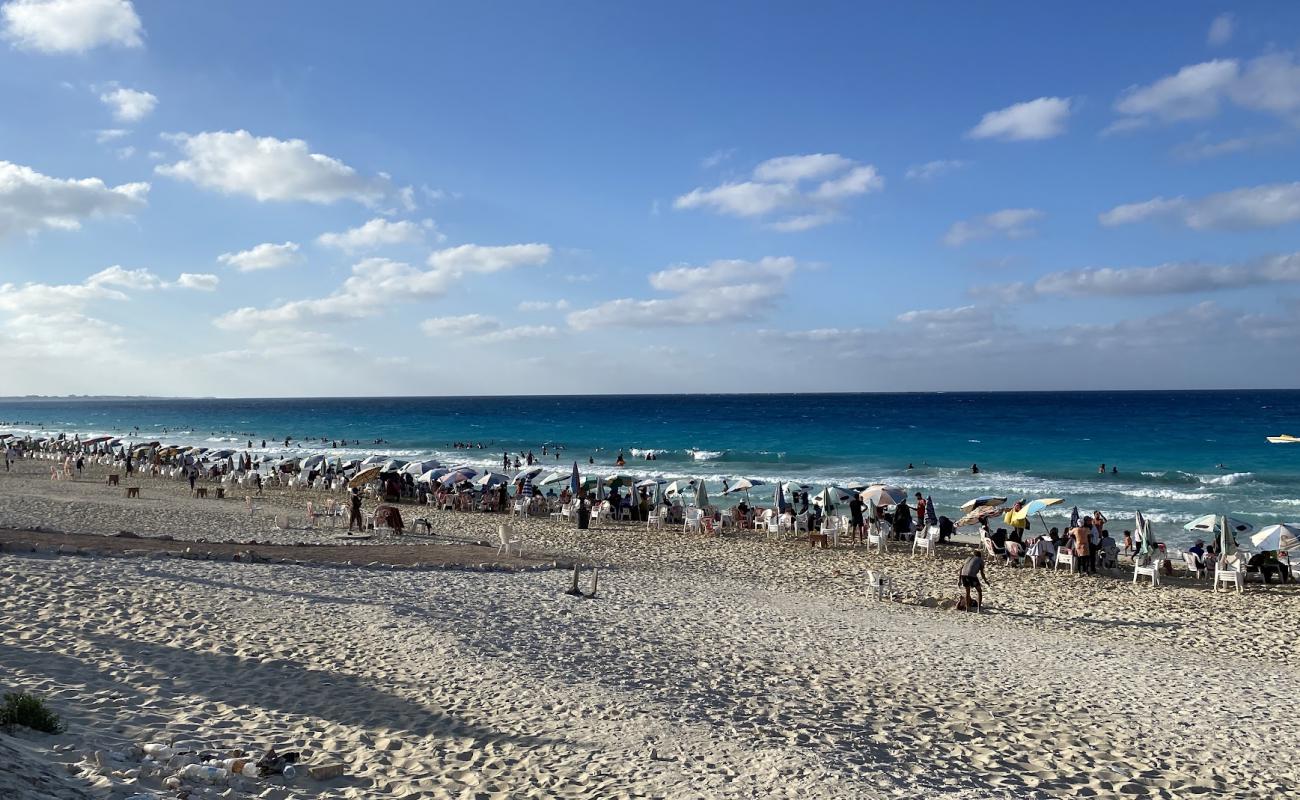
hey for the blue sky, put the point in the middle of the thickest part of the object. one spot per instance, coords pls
(417, 198)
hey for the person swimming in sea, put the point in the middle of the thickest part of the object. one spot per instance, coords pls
(974, 469)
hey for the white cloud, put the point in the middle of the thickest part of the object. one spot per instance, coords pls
(1269, 83)
(128, 105)
(377, 233)
(203, 282)
(723, 291)
(1251, 207)
(378, 283)
(1011, 223)
(1202, 147)
(1166, 279)
(933, 169)
(465, 325)
(267, 168)
(479, 329)
(544, 305)
(473, 258)
(1220, 31)
(71, 26)
(1043, 118)
(717, 157)
(793, 169)
(1193, 92)
(810, 188)
(30, 201)
(267, 255)
(745, 199)
(109, 134)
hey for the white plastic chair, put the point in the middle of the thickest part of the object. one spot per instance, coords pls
(657, 518)
(877, 537)
(1065, 557)
(1194, 567)
(801, 523)
(507, 538)
(1152, 568)
(519, 509)
(694, 520)
(927, 540)
(1233, 572)
(879, 584)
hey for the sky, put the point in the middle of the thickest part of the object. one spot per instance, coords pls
(300, 198)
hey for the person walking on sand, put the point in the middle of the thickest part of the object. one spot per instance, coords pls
(194, 476)
(355, 517)
(969, 577)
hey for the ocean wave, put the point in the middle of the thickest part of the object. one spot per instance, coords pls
(707, 455)
(1155, 474)
(1166, 494)
(1231, 479)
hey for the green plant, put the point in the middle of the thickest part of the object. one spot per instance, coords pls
(30, 711)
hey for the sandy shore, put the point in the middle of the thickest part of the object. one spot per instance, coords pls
(706, 667)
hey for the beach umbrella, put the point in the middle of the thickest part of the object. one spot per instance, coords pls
(701, 494)
(370, 460)
(1074, 517)
(456, 476)
(982, 501)
(648, 483)
(394, 465)
(432, 475)
(618, 481)
(779, 500)
(489, 479)
(742, 485)
(1226, 538)
(1276, 537)
(831, 495)
(1035, 507)
(364, 476)
(1210, 524)
(883, 495)
(307, 463)
(931, 518)
(1146, 539)
(575, 482)
(420, 467)
(674, 489)
(526, 474)
(979, 514)
(659, 493)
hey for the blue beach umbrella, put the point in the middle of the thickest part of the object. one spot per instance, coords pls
(780, 500)
(931, 518)
(1074, 517)
(575, 481)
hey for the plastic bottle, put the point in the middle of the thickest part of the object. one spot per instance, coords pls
(205, 773)
(289, 773)
(250, 770)
(159, 751)
(234, 765)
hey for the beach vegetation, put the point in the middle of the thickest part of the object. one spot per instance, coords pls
(29, 711)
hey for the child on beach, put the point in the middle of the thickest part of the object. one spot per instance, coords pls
(969, 577)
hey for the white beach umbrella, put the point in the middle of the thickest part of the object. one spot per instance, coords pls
(674, 489)
(1210, 523)
(1276, 537)
(742, 485)
(490, 479)
(309, 462)
(883, 495)
(552, 477)
(431, 475)
(701, 494)
(371, 460)
(394, 465)
(833, 494)
(530, 472)
(420, 467)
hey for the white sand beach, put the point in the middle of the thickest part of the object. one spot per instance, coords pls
(705, 667)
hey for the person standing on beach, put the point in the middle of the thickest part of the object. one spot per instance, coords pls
(969, 577)
(1082, 536)
(194, 476)
(355, 517)
(855, 518)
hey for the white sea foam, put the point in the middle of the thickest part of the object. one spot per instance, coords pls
(1166, 494)
(1231, 479)
(707, 455)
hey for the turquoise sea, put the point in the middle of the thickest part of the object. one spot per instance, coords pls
(1178, 454)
